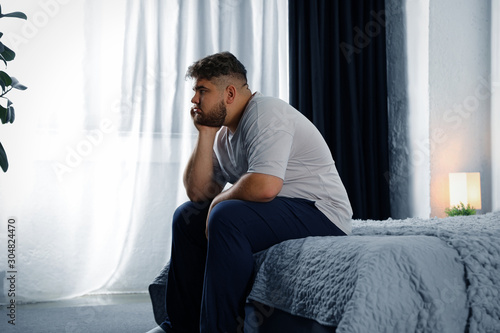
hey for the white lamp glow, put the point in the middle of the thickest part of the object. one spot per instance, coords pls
(465, 187)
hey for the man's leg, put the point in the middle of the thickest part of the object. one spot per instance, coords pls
(187, 267)
(238, 229)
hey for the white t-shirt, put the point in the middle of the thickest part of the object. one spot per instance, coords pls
(274, 138)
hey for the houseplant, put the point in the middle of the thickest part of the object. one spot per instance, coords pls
(7, 83)
(460, 209)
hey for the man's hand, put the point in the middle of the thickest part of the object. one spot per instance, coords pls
(194, 115)
(198, 175)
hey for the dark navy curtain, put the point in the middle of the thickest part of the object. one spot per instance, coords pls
(338, 80)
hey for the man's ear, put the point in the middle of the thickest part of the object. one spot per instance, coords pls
(230, 94)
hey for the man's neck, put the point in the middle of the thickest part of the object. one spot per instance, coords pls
(242, 108)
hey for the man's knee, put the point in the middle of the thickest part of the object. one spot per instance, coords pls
(190, 212)
(223, 215)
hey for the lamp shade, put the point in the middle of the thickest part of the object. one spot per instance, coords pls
(465, 187)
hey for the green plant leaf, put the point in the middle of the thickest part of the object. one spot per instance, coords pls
(4, 163)
(2, 84)
(7, 80)
(2, 47)
(13, 14)
(1, 34)
(12, 114)
(15, 84)
(20, 15)
(460, 210)
(8, 116)
(3, 114)
(3, 59)
(8, 54)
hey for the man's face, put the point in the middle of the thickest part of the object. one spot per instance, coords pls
(209, 109)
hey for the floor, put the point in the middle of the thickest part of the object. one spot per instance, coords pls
(95, 313)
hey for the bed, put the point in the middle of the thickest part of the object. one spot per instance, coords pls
(412, 275)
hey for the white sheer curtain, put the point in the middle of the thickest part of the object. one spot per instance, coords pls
(103, 131)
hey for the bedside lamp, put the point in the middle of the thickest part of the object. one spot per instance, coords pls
(465, 187)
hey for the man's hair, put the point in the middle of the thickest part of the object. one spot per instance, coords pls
(216, 66)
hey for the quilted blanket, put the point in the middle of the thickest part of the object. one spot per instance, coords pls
(413, 275)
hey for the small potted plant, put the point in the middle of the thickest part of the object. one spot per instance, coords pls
(7, 83)
(460, 209)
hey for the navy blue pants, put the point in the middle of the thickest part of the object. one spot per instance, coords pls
(208, 281)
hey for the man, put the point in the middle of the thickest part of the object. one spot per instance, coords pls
(285, 186)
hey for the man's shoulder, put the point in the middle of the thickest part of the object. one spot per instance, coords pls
(260, 99)
(263, 107)
(268, 113)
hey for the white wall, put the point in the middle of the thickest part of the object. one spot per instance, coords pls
(459, 96)
(439, 97)
(495, 103)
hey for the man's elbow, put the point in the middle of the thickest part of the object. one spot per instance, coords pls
(271, 190)
(197, 194)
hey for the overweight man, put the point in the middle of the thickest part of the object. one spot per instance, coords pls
(284, 186)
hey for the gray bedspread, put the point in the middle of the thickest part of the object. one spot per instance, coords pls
(413, 275)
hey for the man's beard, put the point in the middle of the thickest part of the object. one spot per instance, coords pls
(213, 118)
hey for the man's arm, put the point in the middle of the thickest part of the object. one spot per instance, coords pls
(257, 187)
(198, 175)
